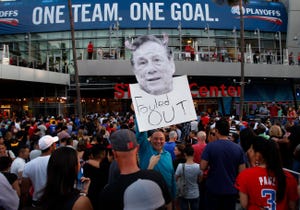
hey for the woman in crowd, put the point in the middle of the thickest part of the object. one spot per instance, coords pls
(246, 136)
(179, 155)
(4, 152)
(265, 185)
(59, 192)
(276, 133)
(191, 173)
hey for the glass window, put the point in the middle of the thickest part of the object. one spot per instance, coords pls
(43, 45)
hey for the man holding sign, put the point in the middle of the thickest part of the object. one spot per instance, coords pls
(158, 99)
(152, 155)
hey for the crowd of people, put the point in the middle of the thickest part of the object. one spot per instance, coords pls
(103, 162)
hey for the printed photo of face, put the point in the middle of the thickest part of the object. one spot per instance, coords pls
(153, 67)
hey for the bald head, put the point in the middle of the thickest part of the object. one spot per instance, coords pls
(173, 135)
(201, 136)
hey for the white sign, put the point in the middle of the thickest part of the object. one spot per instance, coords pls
(157, 111)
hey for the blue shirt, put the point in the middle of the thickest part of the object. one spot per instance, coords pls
(164, 165)
(224, 158)
(169, 146)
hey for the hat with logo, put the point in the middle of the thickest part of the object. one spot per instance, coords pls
(46, 141)
(143, 194)
(123, 140)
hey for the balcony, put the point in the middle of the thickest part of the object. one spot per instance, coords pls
(192, 68)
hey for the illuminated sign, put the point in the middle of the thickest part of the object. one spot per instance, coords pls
(25, 16)
(122, 91)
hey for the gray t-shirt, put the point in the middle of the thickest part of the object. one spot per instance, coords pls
(191, 173)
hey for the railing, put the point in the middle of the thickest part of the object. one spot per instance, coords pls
(200, 56)
(262, 58)
(37, 64)
(65, 67)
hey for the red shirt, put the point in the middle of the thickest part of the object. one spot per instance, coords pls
(273, 111)
(188, 48)
(261, 189)
(90, 47)
(205, 120)
(31, 130)
(198, 149)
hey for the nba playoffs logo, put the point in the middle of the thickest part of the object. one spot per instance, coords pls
(236, 10)
(9, 17)
(270, 15)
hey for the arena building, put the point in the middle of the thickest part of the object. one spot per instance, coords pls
(36, 39)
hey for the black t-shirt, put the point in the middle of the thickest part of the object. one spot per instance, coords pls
(99, 178)
(11, 177)
(65, 202)
(112, 195)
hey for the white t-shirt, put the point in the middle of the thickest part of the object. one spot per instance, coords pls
(9, 199)
(194, 125)
(43, 129)
(36, 171)
(17, 166)
(11, 154)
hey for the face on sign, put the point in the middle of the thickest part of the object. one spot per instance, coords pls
(153, 67)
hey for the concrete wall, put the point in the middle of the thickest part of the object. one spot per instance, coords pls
(123, 68)
(293, 34)
(33, 75)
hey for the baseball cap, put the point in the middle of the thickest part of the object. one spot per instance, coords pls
(46, 141)
(123, 140)
(143, 194)
(63, 135)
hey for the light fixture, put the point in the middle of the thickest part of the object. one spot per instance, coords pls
(240, 83)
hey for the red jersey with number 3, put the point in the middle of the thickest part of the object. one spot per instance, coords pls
(261, 189)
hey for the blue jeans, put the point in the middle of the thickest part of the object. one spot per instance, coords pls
(185, 203)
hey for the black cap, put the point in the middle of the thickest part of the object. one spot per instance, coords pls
(123, 140)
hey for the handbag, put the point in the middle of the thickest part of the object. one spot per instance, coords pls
(181, 184)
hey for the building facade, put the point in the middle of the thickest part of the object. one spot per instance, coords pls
(38, 36)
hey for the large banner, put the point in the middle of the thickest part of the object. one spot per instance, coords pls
(23, 16)
(157, 111)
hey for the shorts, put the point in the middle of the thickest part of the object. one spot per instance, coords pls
(187, 55)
